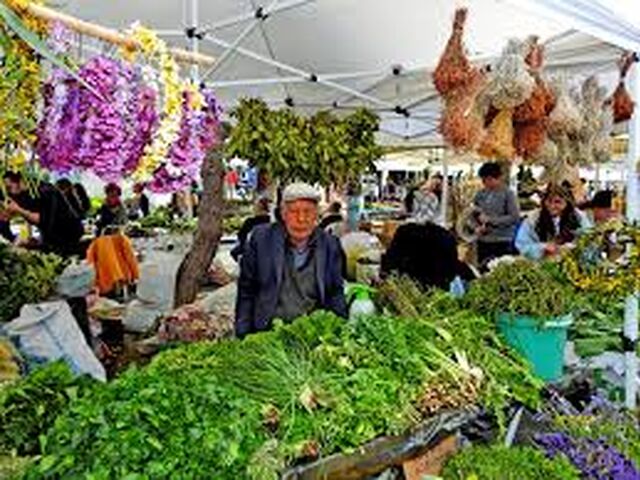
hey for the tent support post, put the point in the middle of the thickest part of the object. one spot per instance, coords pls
(195, 70)
(445, 189)
(633, 215)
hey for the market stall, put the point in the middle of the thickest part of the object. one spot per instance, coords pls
(134, 364)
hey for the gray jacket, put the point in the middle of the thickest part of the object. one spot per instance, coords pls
(501, 208)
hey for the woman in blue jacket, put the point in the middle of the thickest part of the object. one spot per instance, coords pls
(558, 223)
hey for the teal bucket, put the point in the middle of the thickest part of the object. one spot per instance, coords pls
(542, 344)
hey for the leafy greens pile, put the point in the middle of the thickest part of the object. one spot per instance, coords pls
(254, 407)
(29, 407)
(522, 287)
(25, 277)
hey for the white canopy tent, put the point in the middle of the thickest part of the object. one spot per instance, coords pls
(340, 54)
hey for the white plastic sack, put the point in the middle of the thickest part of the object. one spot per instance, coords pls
(141, 317)
(158, 279)
(77, 280)
(48, 332)
(221, 301)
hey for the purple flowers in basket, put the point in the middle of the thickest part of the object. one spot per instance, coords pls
(593, 458)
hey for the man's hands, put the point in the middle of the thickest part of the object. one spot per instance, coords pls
(12, 209)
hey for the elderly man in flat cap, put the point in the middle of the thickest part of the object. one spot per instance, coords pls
(291, 268)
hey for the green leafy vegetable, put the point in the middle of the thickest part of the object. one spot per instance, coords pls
(502, 463)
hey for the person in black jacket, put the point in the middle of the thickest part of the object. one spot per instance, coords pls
(427, 253)
(289, 269)
(261, 216)
(59, 225)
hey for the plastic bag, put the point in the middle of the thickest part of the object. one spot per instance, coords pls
(141, 317)
(158, 279)
(48, 331)
(454, 69)
(510, 83)
(76, 280)
(498, 141)
(190, 323)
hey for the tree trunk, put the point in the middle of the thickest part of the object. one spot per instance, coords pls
(207, 236)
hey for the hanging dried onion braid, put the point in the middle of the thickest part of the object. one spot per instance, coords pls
(454, 69)
(623, 104)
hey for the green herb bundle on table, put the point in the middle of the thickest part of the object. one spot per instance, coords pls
(533, 305)
(315, 387)
(502, 463)
(25, 277)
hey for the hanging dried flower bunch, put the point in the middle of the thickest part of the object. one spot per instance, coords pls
(498, 141)
(565, 118)
(462, 124)
(454, 69)
(541, 101)
(529, 137)
(596, 125)
(623, 104)
(510, 84)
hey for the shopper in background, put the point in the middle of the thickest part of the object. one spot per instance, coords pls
(260, 217)
(499, 215)
(333, 221)
(601, 207)
(427, 253)
(112, 212)
(426, 206)
(59, 225)
(291, 268)
(66, 188)
(557, 224)
(83, 199)
(138, 204)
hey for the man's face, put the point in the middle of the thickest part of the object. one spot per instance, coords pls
(300, 219)
(491, 183)
(13, 188)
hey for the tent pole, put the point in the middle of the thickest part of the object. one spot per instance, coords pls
(445, 189)
(107, 34)
(633, 215)
(248, 30)
(297, 71)
(195, 46)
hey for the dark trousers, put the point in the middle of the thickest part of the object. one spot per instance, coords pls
(487, 251)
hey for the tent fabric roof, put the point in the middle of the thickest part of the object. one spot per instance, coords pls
(342, 53)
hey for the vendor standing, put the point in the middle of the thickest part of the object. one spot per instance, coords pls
(112, 212)
(289, 268)
(59, 225)
(499, 215)
(557, 224)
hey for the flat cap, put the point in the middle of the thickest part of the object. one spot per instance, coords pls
(300, 191)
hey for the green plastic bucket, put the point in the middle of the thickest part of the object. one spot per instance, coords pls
(542, 344)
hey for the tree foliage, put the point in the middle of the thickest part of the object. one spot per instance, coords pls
(322, 148)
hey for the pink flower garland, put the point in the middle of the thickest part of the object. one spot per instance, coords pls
(107, 135)
(198, 134)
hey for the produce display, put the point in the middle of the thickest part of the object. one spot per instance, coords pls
(315, 387)
(25, 277)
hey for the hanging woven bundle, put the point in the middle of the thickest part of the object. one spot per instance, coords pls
(529, 137)
(454, 69)
(623, 104)
(498, 141)
(461, 124)
(511, 84)
(565, 117)
(539, 104)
